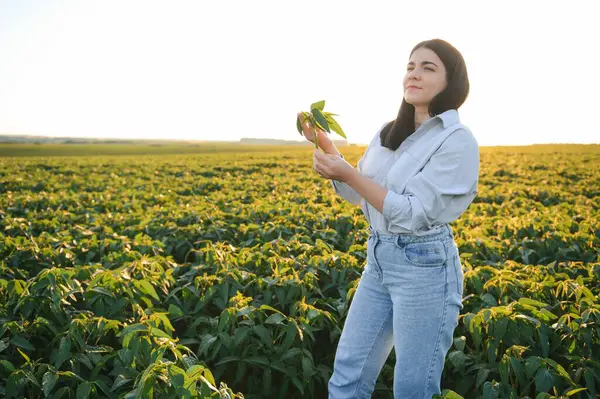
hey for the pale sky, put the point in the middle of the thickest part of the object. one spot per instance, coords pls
(222, 70)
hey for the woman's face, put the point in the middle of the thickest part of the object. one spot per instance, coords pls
(425, 77)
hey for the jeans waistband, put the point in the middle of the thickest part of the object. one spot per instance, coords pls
(445, 233)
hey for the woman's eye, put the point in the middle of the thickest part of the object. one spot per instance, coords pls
(427, 69)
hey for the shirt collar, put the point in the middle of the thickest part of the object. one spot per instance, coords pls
(449, 117)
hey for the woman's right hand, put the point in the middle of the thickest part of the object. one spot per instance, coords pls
(309, 132)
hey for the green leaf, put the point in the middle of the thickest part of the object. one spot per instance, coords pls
(489, 299)
(84, 359)
(64, 351)
(267, 307)
(22, 342)
(531, 319)
(207, 341)
(544, 343)
(148, 391)
(299, 126)
(159, 333)
(560, 370)
(544, 380)
(135, 394)
(278, 365)
(298, 384)
(177, 376)
(164, 319)
(228, 359)
(260, 360)
(320, 105)
(290, 335)
(133, 328)
(70, 374)
(532, 364)
(459, 343)
(334, 125)
(83, 390)
(504, 370)
(589, 375)
(195, 370)
(490, 391)
(27, 360)
(104, 387)
(500, 327)
(208, 377)
(320, 119)
(119, 382)
(548, 314)
(264, 334)
(517, 367)
(291, 353)
(8, 365)
(574, 391)
(61, 392)
(175, 311)
(3, 345)
(275, 318)
(458, 360)
(532, 302)
(482, 375)
(307, 368)
(450, 394)
(147, 289)
(476, 330)
(48, 381)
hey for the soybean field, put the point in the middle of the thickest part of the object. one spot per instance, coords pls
(227, 272)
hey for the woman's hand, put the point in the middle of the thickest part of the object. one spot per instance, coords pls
(309, 133)
(332, 166)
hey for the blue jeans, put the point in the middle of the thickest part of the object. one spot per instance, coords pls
(409, 297)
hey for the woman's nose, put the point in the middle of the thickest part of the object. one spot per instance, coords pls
(414, 75)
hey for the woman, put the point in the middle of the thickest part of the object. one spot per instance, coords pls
(419, 173)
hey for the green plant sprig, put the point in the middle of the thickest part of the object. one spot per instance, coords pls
(321, 119)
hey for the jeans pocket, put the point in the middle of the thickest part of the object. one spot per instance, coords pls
(426, 254)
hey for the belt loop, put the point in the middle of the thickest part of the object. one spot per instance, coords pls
(377, 235)
(399, 241)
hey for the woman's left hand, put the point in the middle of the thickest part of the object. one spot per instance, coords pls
(332, 166)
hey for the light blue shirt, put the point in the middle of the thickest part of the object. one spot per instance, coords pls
(431, 178)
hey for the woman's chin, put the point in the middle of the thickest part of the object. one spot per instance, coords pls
(412, 100)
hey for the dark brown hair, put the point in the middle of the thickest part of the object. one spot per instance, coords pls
(452, 97)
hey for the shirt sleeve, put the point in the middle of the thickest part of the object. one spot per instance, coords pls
(344, 190)
(446, 185)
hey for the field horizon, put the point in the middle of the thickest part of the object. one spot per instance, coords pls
(142, 148)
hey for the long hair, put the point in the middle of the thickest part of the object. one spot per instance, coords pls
(452, 97)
